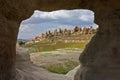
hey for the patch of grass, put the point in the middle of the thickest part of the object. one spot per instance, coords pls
(61, 68)
(49, 54)
(63, 59)
(55, 55)
(53, 47)
(46, 54)
(33, 49)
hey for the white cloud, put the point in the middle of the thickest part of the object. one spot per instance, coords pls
(26, 31)
(86, 18)
(44, 21)
(65, 17)
(23, 28)
(52, 15)
(60, 27)
(64, 14)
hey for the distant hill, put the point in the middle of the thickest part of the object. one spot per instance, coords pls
(22, 40)
(64, 35)
(61, 39)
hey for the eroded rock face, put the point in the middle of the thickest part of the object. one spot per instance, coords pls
(99, 61)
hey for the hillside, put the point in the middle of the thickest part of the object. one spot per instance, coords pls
(58, 51)
(61, 39)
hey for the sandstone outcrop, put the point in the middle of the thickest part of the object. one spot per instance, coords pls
(59, 33)
(101, 58)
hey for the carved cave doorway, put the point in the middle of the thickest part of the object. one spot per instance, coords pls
(43, 20)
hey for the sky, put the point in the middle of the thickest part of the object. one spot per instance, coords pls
(40, 22)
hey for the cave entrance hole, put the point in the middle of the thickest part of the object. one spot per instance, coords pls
(53, 37)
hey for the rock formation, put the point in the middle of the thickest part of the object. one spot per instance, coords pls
(77, 29)
(99, 61)
(55, 32)
(50, 36)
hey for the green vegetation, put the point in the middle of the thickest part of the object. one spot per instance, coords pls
(21, 43)
(47, 45)
(49, 54)
(61, 68)
(52, 47)
(33, 49)
(63, 64)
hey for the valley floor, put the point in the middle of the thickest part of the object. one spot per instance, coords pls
(60, 61)
(28, 71)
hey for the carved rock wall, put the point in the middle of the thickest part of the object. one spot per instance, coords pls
(101, 58)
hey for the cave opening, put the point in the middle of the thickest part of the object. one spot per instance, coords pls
(100, 59)
(54, 40)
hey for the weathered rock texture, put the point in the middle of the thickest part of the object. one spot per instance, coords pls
(101, 58)
(27, 71)
(52, 35)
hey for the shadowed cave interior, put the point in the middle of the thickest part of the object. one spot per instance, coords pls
(100, 59)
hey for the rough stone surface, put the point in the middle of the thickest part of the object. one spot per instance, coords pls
(72, 73)
(27, 71)
(101, 58)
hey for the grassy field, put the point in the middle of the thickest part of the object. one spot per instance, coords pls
(52, 46)
(58, 57)
(59, 62)
(61, 68)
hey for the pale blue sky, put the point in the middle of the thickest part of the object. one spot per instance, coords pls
(41, 22)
